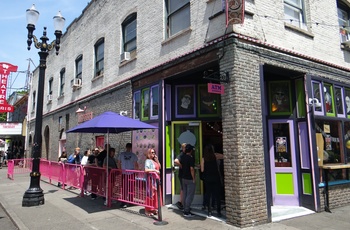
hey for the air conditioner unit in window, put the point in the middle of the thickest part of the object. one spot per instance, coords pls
(49, 97)
(77, 82)
(125, 56)
(345, 40)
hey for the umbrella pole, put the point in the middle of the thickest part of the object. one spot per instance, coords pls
(107, 191)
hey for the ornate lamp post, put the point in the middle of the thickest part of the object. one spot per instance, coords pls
(34, 195)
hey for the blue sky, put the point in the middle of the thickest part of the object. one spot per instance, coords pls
(13, 36)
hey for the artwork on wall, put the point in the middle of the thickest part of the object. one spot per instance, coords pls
(208, 103)
(142, 140)
(280, 98)
(185, 98)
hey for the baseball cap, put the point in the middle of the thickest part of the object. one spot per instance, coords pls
(189, 148)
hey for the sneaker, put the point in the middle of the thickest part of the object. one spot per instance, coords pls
(188, 214)
(179, 205)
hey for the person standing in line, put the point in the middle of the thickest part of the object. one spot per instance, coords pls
(111, 162)
(127, 161)
(102, 155)
(177, 161)
(212, 178)
(188, 180)
(152, 164)
(84, 159)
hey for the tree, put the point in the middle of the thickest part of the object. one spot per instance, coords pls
(3, 117)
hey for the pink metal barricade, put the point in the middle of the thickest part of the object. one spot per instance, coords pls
(134, 187)
(18, 166)
(74, 176)
(95, 180)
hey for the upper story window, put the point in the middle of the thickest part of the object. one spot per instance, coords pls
(62, 80)
(34, 100)
(178, 16)
(50, 86)
(344, 23)
(99, 56)
(294, 12)
(79, 67)
(129, 33)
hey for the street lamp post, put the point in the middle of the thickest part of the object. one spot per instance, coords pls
(34, 195)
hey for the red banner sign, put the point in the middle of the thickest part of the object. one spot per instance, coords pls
(234, 12)
(215, 88)
(5, 69)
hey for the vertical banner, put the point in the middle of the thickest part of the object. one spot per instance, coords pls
(234, 12)
(5, 69)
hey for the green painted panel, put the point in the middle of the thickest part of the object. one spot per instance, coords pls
(300, 97)
(307, 188)
(284, 184)
(168, 160)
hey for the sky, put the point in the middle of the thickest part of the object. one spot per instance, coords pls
(13, 36)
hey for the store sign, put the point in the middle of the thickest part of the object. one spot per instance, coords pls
(10, 128)
(5, 69)
(215, 88)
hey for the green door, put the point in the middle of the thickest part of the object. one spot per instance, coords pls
(190, 133)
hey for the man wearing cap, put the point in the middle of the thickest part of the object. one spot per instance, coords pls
(188, 179)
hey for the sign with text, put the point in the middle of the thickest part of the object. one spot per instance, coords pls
(5, 69)
(215, 88)
(10, 128)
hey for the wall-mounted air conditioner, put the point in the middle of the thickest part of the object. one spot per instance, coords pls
(345, 39)
(49, 97)
(77, 82)
(125, 56)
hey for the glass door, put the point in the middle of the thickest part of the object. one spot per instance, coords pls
(190, 133)
(283, 163)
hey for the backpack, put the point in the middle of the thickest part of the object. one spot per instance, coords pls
(71, 159)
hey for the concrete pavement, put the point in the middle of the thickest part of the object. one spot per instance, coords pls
(64, 209)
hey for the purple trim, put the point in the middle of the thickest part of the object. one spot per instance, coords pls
(283, 199)
(304, 145)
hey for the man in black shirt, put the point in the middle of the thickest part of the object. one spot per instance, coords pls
(188, 179)
(177, 161)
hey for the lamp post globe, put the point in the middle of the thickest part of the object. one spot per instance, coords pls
(34, 196)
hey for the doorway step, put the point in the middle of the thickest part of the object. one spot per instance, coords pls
(286, 212)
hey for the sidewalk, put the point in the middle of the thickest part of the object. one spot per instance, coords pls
(66, 210)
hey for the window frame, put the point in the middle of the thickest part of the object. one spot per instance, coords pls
(137, 105)
(152, 110)
(132, 18)
(79, 67)
(298, 7)
(99, 57)
(344, 28)
(62, 81)
(171, 13)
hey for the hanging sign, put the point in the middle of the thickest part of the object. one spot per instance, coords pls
(234, 12)
(215, 88)
(5, 69)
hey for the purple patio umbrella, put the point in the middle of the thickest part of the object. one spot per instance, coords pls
(110, 122)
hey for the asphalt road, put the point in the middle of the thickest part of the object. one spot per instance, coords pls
(5, 221)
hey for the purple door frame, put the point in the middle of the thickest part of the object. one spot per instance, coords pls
(283, 199)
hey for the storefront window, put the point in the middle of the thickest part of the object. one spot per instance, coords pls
(329, 99)
(332, 146)
(316, 99)
(339, 101)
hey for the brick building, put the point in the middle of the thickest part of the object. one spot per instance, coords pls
(281, 117)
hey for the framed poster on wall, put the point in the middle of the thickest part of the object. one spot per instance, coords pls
(280, 98)
(208, 103)
(184, 100)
